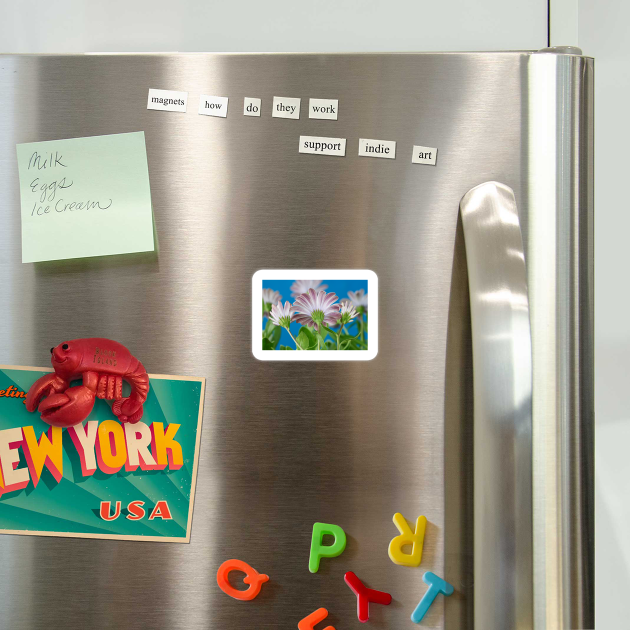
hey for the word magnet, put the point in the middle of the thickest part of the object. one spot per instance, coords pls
(436, 586)
(377, 148)
(407, 537)
(251, 106)
(252, 577)
(285, 107)
(213, 106)
(365, 595)
(424, 155)
(319, 550)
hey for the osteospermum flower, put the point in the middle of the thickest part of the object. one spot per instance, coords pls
(270, 297)
(315, 309)
(281, 315)
(359, 298)
(347, 312)
(302, 286)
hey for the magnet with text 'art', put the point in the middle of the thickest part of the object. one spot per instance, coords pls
(309, 623)
(319, 550)
(252, 577)
(365, 595)
(436, 586)
(407, 537)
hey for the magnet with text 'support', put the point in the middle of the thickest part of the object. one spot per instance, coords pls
(365, 595)
(319, 551)
(407, 537)
(252, 577)
(309, 623)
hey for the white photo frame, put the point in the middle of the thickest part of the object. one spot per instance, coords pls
(314, 274)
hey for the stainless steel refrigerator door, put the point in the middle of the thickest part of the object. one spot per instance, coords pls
(283, 445)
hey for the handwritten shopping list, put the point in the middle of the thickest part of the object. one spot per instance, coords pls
(85, 197)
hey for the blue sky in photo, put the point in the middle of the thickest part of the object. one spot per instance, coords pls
(340, 287)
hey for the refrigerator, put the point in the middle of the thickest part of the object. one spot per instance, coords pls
(476, 411)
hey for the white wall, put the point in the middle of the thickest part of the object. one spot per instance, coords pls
(270, 25)
(604, 29)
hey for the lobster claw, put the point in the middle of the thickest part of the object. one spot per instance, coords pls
(68, 408)
(43, 386)
(128, 410)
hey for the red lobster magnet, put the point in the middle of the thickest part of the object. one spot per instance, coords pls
(103, 364)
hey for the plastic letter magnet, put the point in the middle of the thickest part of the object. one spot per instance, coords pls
(252, 577)
(319, 551)
(365, 596)
(407, 537)
(308, 623)
(436, 586)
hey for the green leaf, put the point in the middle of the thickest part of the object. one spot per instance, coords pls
(344, 344)
(275, 335)
(285, 348)
(268, 329)
(354, 343)
(306, 339)
(331, 331)
(302, 341)
(267, 345)
(330, 345)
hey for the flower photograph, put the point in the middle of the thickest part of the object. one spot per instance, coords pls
(315, 315)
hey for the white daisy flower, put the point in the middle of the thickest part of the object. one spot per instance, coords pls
(281, 315)
(302, 286)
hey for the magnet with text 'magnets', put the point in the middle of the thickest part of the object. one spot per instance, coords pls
(252, 577)
(102, 364)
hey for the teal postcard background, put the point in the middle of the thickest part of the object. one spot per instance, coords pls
(72, 505)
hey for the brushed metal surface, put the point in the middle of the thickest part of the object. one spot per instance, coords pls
(502, 368)
(283, 445)
(560, 275)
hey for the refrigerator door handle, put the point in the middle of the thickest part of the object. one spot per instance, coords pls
(502, 374)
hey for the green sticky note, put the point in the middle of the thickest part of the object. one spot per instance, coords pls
(85, 197)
